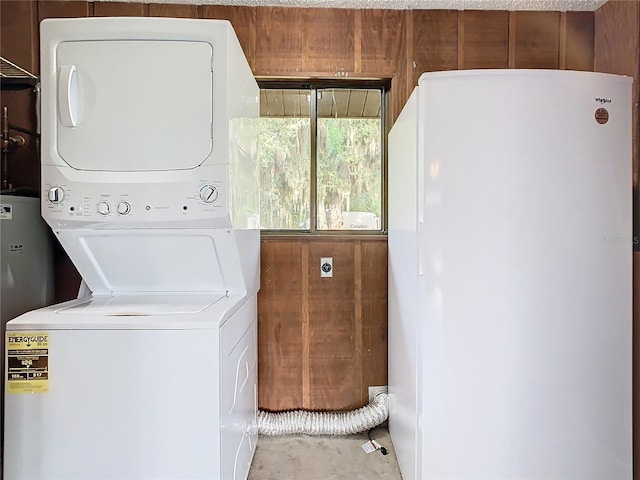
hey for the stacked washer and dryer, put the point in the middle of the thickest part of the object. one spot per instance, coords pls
(149, 182)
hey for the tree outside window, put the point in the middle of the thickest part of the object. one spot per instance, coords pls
(321, 150)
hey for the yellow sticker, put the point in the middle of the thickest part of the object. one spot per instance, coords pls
(27, 362)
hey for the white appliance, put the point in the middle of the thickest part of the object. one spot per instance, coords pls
(510, 276)
(26, 258)
(26, 265)
(149, 182)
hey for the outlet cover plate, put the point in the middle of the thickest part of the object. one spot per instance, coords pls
(326, 267)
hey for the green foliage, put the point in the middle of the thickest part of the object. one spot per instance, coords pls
(284, 157)
(348, 169)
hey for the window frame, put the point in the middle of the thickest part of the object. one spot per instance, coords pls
(313, 86)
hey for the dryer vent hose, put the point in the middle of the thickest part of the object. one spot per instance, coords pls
(325, 423)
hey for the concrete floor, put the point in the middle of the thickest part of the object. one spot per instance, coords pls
(304, 457)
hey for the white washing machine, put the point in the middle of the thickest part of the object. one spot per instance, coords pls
(149, 182)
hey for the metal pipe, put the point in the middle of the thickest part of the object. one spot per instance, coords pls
(9, 141)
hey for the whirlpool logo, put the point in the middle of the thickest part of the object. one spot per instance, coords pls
(603, 100)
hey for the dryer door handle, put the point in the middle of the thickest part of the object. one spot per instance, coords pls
(68, 95)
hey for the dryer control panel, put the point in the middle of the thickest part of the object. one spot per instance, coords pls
(68, 202)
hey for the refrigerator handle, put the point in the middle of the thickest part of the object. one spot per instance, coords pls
(420, 259)
(420, 188)
(420, 167)
(68, 95)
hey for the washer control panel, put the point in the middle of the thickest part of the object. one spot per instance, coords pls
(103, 208)
(124, 208)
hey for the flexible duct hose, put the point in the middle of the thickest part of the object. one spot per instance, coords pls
(325, 423)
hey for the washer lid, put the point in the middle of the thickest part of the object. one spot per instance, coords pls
(143, 305)
(134, 105)
(139, 261)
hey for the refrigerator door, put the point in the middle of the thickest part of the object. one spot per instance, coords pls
(528, 284)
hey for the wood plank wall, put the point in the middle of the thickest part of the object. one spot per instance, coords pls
(617, 50)
(323, 342)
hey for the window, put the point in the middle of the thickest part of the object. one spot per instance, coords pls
(321, 157)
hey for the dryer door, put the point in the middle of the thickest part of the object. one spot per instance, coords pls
(134, 105)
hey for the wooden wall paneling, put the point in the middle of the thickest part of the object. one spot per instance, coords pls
(534, 39)
(61, 9)
(577, 40)
(398, 94)
(401, 84)
(306, 334)
(64, 9)
(373, 282)
(174, 10)
(483, 39)
(562, 42)
(280, 325)
(243, 20)
(333, 366)
(359, 367)
(331, 40)
(23, 164)
(66, 277)
(381, 41)
(19, 33)
(357, 42)
(19, 44)
(120, 9)
(435, 42)
(322, 341)
(616, 45)
(283, 44)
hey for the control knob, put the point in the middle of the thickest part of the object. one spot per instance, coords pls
(209, 193)
(124, 208)
(104, 208)
(56, 194)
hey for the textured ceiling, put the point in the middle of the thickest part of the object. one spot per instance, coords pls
(555, 5)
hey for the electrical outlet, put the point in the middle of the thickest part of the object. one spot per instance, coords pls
(326, 267)
(373, 391)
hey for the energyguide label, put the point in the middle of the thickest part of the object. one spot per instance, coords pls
(27, 362)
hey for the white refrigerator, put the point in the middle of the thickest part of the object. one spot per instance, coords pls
(510, 276)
